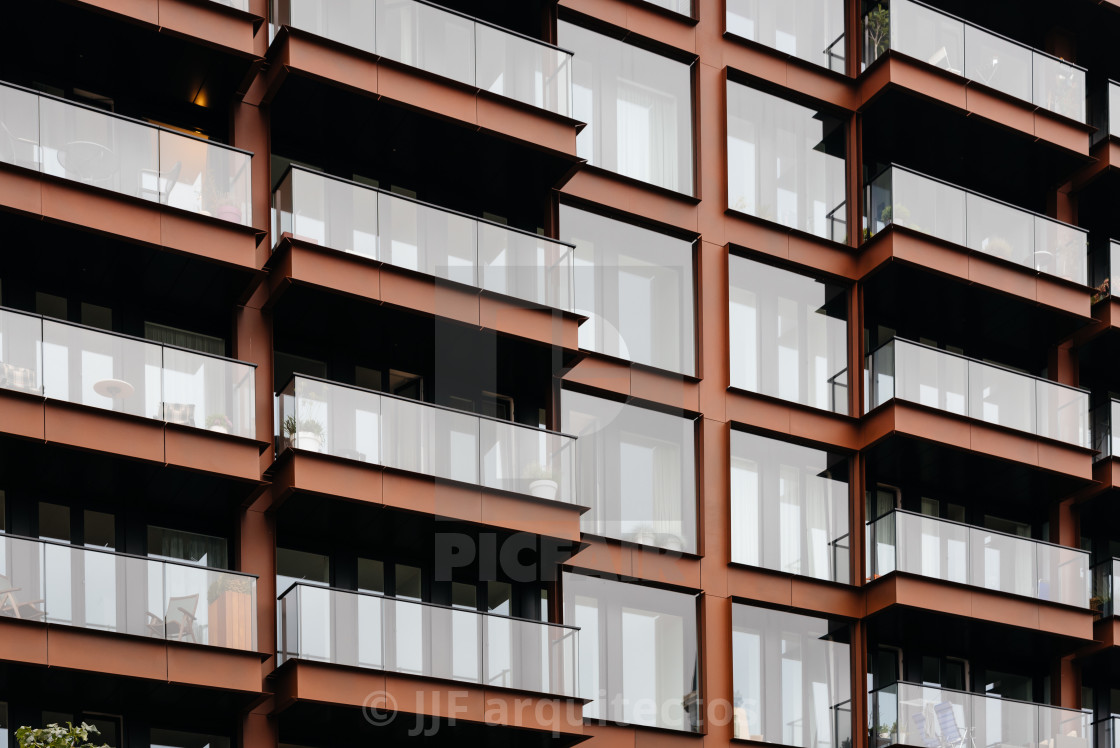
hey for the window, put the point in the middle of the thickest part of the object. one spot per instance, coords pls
(789, 507)
(637, 106)
(785, 162)
(192, 547)
(789, 335)
(791, 678)
(3, 724)
(637, 652)
(684, 7)
(810, 29)
(636, 287)
(637, 471)
(177, 739)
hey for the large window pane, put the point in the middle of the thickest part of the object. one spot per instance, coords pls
(637, 471)
(637, 106)
(810, 29)
(789, 507)
(637, 652)
(636, 287)
(788, 335)
(791, 677)
(785, 162)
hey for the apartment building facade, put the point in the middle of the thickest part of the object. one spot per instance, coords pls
(604, 372)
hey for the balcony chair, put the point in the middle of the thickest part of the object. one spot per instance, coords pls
(180, 413)
(11, 607)
(179, 621)
(922, 728)
(940, 59)
(951, 733)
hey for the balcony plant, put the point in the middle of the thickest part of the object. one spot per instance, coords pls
(542, 481)
(223, 205)
(878, 29)
(219, 422)
(230, 612)
(306, 434)
(54, 736)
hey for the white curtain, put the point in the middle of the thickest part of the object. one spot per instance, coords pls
(647, 134)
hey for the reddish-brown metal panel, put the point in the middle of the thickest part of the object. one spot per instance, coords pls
(22, 415)
(197, 449)
(211, 24)
(23, 641)
(211, 667)
(104, 431)
(96, 651)
(20, 190)
(101, 210)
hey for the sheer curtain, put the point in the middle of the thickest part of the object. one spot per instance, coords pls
(647, 134)
(746, 525)
(667, 517)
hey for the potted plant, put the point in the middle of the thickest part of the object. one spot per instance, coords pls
(878, 29)
(53, 736)
(219, 422)
(230, 611)
(306, 434)
(542, 481)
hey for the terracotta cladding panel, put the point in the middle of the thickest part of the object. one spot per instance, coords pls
(103, 431)
(200, 450)
(431, 297)
(20, 190)
(78, 649)
(547, 326)
(349, 480)
(526, 515)
(146, 11)
(24, 642)
(22, 416)
(101, 210)
(347, 68)
(213, 668)
(600, 373)
(207, 22)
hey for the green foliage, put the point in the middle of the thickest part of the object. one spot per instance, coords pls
(878, 25)
(53, 736)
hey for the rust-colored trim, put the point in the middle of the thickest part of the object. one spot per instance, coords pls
(345, 273)
(980, 604)
(97, 430)
(140, 221)
(57, 646)
(313, 473)
(973, 99)
(200, 21)
(975, 268)
(294, 51)
(299, 680)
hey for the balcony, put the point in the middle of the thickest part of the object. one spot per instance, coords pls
(936, 548)
(1106, 444)
(918, 715)
(406, 233)
(900, 369)
(71, 363)
(64, 139)
(954, 45)
(431, 641)
(1104, 575)
(413, 436)
(56, 583)
(958, 216)
(442, 42)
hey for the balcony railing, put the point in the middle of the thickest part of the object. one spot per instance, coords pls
(235, 4)
(931, 547)
(912, 714)
(69, 140)
(77, 364)
(950, 382)
(1107, 731)
(1104, 585)
(443, 42)
(47, 581)
(403, 636)
(407, 233)
(953, 214)
(404, 434)
(953, 44)
(1105, 441)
